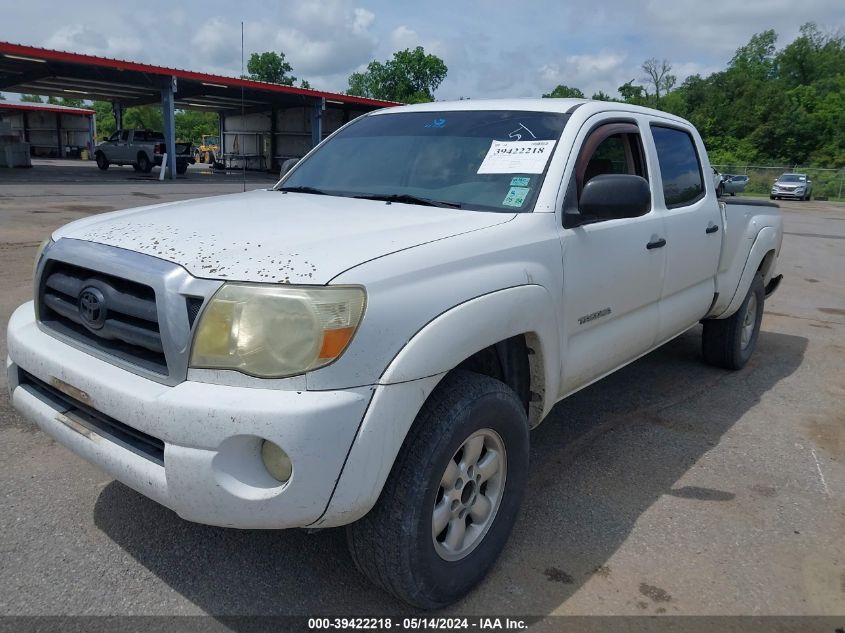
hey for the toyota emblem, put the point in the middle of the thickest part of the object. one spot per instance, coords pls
(92, 307)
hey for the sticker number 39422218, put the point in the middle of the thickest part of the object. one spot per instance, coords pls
(516, 157)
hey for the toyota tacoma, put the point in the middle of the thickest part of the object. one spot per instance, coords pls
(369, 342)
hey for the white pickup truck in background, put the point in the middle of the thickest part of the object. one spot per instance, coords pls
(143, 149)
(369, 342)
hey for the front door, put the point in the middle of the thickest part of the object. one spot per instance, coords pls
(612, 270)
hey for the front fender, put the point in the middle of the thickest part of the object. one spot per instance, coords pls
(415, 371)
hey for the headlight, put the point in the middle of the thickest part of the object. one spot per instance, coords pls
(273, 331)
(39, 253)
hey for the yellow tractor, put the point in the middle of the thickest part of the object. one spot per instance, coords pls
(209, 150)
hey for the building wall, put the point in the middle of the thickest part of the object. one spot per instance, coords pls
(252, 135)
(42, 131)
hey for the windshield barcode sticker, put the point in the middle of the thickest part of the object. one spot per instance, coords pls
(516, 157)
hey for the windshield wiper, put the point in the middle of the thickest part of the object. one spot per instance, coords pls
(314, 190)
(409, 199)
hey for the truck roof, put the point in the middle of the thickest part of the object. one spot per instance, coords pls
(587, 107)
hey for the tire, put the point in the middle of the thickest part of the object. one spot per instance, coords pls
(181, 167)
(729, 343)
(198, 158)
(144, 163)
(136, 167)
(394, 545)
(102, 161)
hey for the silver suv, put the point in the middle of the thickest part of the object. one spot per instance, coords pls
(797, 186)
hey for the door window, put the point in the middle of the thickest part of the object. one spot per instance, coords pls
(612, 148)
(680, 167)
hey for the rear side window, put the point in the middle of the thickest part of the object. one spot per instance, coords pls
(680, 168)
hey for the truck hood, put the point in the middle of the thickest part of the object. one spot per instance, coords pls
(269, 236)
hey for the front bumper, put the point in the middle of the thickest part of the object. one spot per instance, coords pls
(212, 470)
(788, 194)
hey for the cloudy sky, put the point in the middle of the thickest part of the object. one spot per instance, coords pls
(493, 48)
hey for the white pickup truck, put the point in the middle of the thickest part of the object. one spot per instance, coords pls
(369, 342)
(143, 149)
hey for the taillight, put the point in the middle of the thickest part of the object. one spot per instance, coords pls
(159, 148)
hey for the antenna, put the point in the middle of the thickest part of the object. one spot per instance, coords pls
(243, 112)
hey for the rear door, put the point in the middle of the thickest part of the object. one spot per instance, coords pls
(692, 222)
(612, 270)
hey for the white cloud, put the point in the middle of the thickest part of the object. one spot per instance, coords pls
(82, 38)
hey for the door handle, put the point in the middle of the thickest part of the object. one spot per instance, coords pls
(711, 229)
(656, 244)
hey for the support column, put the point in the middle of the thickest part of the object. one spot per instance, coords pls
(61, 145)
(169, 117)
(317, 122)
(26, 127)
(117, 108)
(92, 135)
(221, 126)
(273, 148)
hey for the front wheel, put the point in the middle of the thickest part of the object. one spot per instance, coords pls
(729, 343)
(452, 497)
(102, 161)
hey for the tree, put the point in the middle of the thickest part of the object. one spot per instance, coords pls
(31, 99)
(270, 67)
(756, 59)
(659, 76)
(563, 91)
(601, 96)
(411, 76)
(632, 94)
(66, 101)
(304, 84)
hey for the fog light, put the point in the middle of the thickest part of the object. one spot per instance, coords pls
(276, 461)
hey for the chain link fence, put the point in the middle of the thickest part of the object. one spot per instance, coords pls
(827, 183)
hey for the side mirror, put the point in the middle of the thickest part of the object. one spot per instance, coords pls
(612, 196)
(287, 165)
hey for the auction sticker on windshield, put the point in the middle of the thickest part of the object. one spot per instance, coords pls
(516, 157)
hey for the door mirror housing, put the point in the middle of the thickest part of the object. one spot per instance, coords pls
(287, 165)
(609, 197)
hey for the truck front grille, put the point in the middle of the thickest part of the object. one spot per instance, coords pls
(111, 314)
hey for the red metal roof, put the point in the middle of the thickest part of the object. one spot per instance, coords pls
(8, 48)
(44, 107)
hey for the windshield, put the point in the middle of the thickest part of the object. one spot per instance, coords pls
(481, 160)
(792, 178)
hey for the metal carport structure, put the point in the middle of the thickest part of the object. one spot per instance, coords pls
(34, 70)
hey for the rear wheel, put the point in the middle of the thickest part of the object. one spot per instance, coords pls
(452, 497)
(181, 167)
(102, 161)
(730, 342)
(144, 163)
